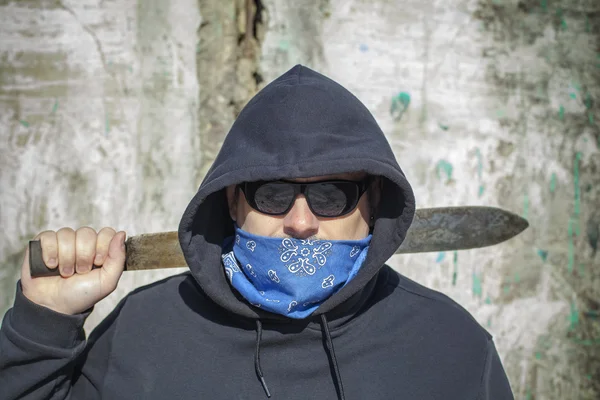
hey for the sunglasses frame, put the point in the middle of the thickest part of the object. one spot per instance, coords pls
(250, 189)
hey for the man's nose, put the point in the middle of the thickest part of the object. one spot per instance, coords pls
(300, 222)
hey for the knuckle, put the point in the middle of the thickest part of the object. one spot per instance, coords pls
(65, 231)
(107, 231)
(86, 230)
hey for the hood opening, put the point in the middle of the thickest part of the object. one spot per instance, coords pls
(303, 124)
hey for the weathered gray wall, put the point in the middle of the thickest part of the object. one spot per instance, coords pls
(113, 110)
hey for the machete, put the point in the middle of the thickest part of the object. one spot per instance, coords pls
(432, 230)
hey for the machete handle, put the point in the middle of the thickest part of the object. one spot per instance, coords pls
(37, 266)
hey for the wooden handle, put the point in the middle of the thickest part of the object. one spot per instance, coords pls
(146, 251)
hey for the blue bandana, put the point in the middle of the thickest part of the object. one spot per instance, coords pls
(291, 277)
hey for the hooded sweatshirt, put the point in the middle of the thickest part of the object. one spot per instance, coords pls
(193, 336)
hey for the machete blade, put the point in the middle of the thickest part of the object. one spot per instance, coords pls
(460, 228)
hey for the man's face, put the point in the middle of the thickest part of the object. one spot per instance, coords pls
(299, 222)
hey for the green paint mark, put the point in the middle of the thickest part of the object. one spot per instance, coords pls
(400, 103)
(591, 117)
(553, 183)
(55, 107)
(506, 288)
(130, 69)
(489, 322)
(571, 247)
(563, 23)
(525, 206)
(543, 254)
(588, 27)
(544, 5)
(477, 291)
(528, 395)
(444, 127)
(573, 317)
(488, 300)
(538, 355)
(576, 183)
(573, 95)
(561, 113)
(517, 278)
(589, 377)
(24, 123)
(284, 44)
(455, 273)
(479, 171)
(581, 269)
(500, 113)
(440, 257)
(446, 167)
(106, 125)
(588, 101)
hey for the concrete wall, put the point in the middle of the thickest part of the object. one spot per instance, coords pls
(112, 111)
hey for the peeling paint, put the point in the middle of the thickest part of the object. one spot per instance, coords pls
(477, 290)
(573, 317)
(576, 184)
(543, 254)
(446, 167)
(455, 273)
(571, 247)
(440, 257)
(400, 104)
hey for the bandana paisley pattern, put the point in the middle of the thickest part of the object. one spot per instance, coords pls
(289, 276)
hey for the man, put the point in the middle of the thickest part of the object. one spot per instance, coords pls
(287, 296)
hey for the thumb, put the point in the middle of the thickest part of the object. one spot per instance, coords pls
(115, 262)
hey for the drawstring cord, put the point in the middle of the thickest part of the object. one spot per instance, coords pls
(338, 376)
(331, 351)
(257, 358)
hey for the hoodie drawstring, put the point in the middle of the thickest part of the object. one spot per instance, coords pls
(257, 358)
(338, 377)
(329, 342)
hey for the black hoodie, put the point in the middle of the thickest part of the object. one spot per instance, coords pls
(192, 336)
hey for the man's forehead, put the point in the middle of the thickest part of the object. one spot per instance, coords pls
(351, 176)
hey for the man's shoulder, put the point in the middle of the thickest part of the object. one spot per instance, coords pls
(433, 307)
(160, 286)
(164, 291)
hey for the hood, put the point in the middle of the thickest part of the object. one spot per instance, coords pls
(302, 124)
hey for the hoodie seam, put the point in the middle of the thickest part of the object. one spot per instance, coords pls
(485, 370)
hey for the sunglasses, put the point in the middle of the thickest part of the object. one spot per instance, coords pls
(330, 198)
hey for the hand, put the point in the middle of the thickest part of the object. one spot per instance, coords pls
(79, 286)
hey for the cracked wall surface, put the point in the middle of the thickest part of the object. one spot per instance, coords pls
(113, 111)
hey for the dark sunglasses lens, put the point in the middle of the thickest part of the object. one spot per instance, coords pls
(332, 199)
(274, 198)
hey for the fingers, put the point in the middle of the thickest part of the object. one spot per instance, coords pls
(115, 261)
(78, 251)
(102, 243)
(66, 251)
(85, 249)
(49, 245)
